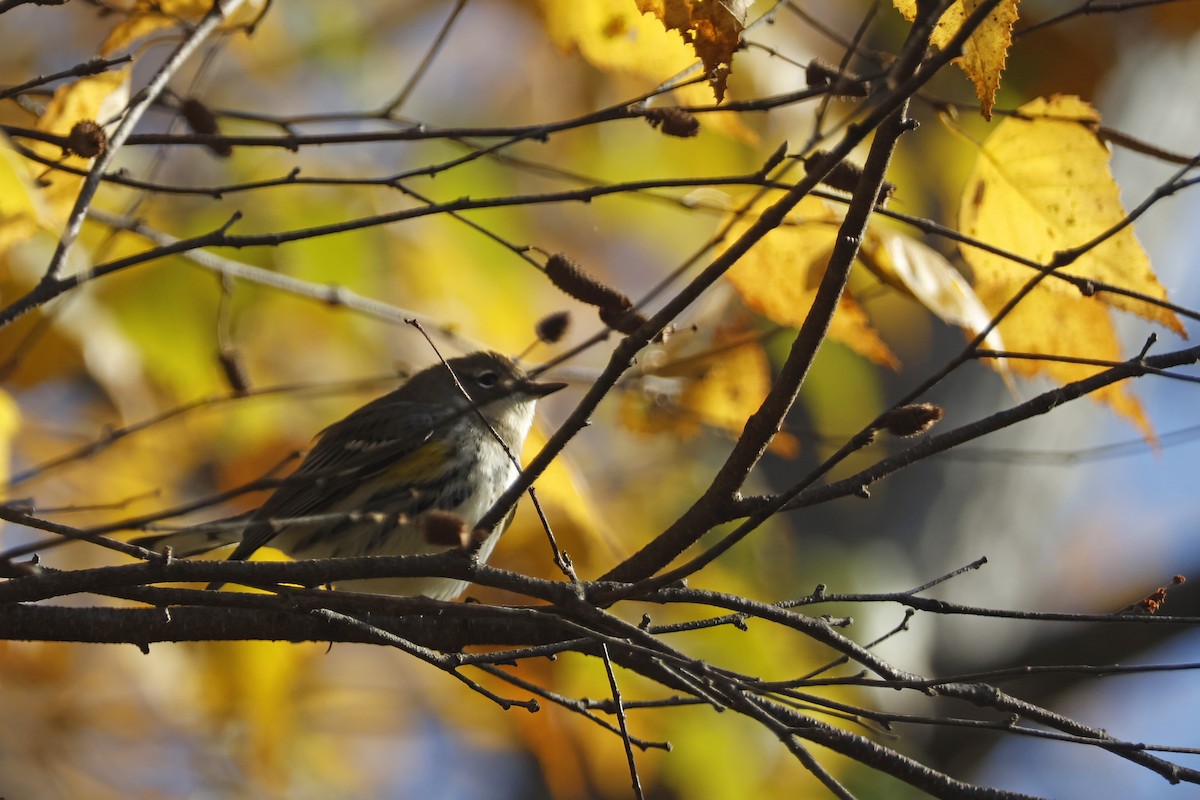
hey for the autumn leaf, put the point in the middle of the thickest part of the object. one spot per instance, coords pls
(925, 275)
(250, 686)
(716, 378)
(148, 16)
(984, 52)
(778, 278)
(713, 28)
(10, 422)
(1062, 325)
(98, 98)
(612, 35)
(22, 208)
(1041, 185)
(579, 524)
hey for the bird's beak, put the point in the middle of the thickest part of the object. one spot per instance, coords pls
(535, 389)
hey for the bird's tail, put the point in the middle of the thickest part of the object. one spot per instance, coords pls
(196, 540)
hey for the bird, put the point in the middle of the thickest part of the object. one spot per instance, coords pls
(385, 479)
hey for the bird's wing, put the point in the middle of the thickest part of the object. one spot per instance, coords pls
(348, 452)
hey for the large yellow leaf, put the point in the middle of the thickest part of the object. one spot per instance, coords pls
(985, 52)
(778, 278)
(1054, 324)
(1042, 184)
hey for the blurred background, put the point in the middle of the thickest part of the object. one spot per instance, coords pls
(1074, 511)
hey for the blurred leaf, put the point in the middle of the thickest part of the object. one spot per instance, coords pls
(925, 275)
(98, 98)
(22, 208)
(778, 278)
(250, 688)
(984, 52)
(575, 518)
(148, 16)
(10, 422)
(714, 377)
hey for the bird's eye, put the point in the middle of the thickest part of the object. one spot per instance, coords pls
(487, 379)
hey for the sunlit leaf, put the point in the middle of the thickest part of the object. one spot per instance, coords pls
(98, 98)
(985, 52)
(778, 278)
(1055, 324)
(713, 28)
(613, 36)
(149, 16)
(925, 275)
(1042, 185)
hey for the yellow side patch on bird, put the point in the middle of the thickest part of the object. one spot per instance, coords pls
(427, 464)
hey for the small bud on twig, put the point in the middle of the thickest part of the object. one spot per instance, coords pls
(445, 529)
(202, 120)
(551, 329)
(234, 370)
(845, 176)
(910, 420)
(844, 83)
(87, 139)
(616, 309)
(674, 121)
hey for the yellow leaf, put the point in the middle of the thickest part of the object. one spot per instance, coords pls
(925, 275)
(252, 686)
(10, 421)
(568, 502)
(713, 28)
(1054, 324)
(99, 98)
(716, 376)
(984, 52)
(734, 380)
(612, 35)
(778, 278)
(149, 16)
(1042, 184)
(22, 209)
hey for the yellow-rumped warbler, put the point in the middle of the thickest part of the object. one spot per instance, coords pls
(372, 480)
